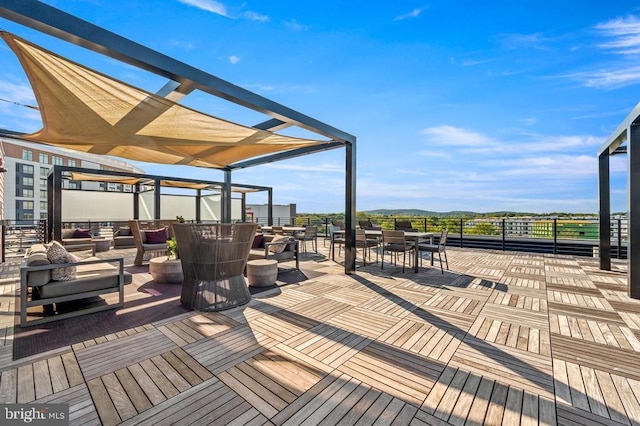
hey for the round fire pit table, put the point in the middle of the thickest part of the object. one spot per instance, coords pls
(165, 271)
(262, 272)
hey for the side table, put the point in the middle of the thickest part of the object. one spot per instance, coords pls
(262, 272)
(102, 244)
(164, 271)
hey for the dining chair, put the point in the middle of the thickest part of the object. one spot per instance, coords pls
(310, 233)
(367, 224)
(395, 242)
(404, 225)
(337, 239)
(439, 248)
(365, 244)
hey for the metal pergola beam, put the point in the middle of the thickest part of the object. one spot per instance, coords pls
(286, 155)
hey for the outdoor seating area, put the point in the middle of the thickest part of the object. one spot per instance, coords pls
(500, 337)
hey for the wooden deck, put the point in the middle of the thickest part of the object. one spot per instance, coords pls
(500, 338)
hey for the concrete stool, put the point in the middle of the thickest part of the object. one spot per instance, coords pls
(164, 271)
(262, 272)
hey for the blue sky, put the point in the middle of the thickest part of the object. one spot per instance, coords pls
(457, 105)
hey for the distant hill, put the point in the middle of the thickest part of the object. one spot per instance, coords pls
(418, 212)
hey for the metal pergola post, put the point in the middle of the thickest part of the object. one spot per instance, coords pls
(225, 196)
(633, 209)
(198, 205)
(156, 199)
(604, 197)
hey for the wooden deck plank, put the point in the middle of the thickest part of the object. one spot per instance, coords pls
(118, 396)
(42, 379)
(150, 389)
(59, 381)
(104, 406)
(160, 380)
(26, 386)
(133, 390)
(9, 386)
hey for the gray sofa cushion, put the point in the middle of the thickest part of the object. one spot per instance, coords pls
(37, 256)
(96, 276)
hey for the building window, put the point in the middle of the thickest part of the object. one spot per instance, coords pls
(24, 169)
(74, 185)
(43, 205)
(27, 155)
(44, 171)
(43, 158)
(43, 215)
(57, 161)
(27, 181)
(24, 210)
(23, 192)
(43, 193)
(43, 183)
(72, 163)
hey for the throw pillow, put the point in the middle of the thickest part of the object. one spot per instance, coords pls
(156, 236)
(56, 253)
(124, 231)
(281, 243)
(82, 233)
(257, 241)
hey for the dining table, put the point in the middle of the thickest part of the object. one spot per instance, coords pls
(415, 236)
(285, 229)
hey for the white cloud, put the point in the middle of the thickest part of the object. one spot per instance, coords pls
(524, 41)
(529, 121)
(413, 14)
(295, 25)
(20, 93)
(234, 59)
(436, 154)
(624, 34)
(467, 141)
(456, 136)
(255, 16)
(620, 77)
(208, 5)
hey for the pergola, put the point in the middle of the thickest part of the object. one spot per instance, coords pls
(627, 132)
(138, 125)
(140, 183)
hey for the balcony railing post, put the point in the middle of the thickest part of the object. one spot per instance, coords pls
(503, 233)
(461, 219)
(555, 236)
(619, 238)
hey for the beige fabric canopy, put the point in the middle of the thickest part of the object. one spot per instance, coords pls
(90, 112)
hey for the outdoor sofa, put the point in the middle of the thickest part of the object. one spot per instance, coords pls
(43, 282)
(277, 247)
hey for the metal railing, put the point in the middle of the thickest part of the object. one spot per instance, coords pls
(578, 237)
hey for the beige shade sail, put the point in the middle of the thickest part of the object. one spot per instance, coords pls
(87, 111)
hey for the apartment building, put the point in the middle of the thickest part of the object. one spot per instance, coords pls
(24, 183)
